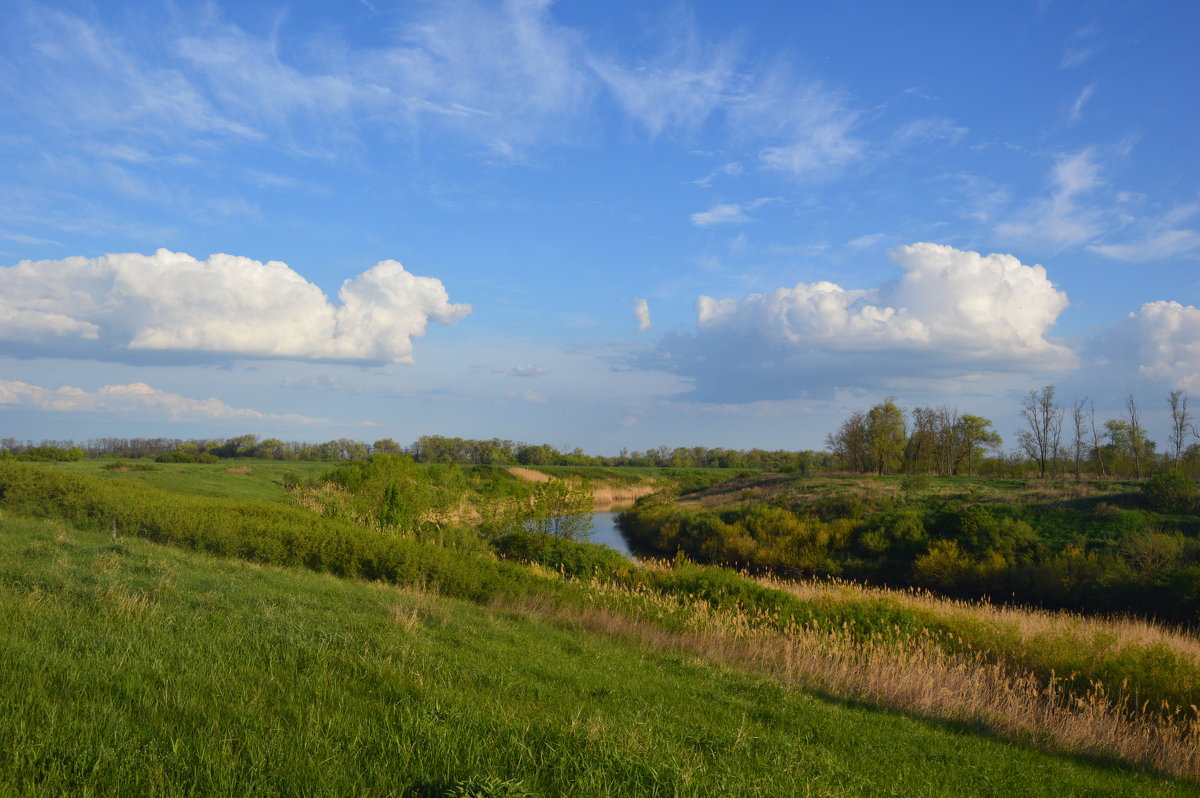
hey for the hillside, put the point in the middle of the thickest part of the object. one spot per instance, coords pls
(135, 668)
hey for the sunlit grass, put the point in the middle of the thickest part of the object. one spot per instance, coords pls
(129, 668)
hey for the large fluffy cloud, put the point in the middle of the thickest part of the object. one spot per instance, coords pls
(135, 398)
(130, 306)
(1159, 342)
(952, 314)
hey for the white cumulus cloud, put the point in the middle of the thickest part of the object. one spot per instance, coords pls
(952, 313)
(131, 306)
(134, 398)
(641, 312)
(1159, 342)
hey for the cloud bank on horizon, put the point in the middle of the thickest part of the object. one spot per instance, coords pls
(136, 399)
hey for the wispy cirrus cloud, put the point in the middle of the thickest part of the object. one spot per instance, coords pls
(1156, 238)
(527, 370)
(725, 213)
(729, 212)
(1081, 100)
(1067, 217)
(1084, 210)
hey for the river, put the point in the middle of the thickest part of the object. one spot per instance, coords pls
(605, 531)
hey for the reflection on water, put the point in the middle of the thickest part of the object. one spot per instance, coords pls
(605, 531)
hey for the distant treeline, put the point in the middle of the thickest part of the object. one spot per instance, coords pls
(426, 449)
(1053, 441)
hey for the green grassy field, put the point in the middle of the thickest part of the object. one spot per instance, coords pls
(242, 478)
(131, 668)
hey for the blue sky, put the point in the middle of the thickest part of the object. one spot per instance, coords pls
(598, 225)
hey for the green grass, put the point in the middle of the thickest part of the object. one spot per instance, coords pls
(131, 668)
(263, 482)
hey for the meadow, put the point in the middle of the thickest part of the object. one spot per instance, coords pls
(562, 667)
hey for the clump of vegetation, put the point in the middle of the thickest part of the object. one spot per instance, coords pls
(187, 457)
(1100, 552)
(1169, 492)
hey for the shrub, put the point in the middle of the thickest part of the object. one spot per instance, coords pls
(1170, 491)
(572, 557)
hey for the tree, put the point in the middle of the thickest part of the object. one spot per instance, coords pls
(1043, 427)
(1079, 436)
(1136, 437)
(1181, 424)
(1096, 440)
(561, 510)
(849, 443)
(974, 433)
(886, 436)
(919, 452)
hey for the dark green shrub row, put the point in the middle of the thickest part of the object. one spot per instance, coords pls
(957, 548)
(187, 457)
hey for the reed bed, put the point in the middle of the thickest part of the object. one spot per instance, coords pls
(1150, 663)
(907, 671)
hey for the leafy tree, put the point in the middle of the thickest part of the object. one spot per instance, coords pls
(886, 436)
(973, 434)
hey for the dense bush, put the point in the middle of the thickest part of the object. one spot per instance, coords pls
(1170, 491)
(572, 557)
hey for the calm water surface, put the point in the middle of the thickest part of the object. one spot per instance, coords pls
(605, 531)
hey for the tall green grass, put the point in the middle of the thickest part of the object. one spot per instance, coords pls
(268, 533)
(262, 532)
(129, 668)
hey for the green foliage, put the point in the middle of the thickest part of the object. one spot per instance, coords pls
(56, 454)
(187, 457)
(1170, 491)
(1097, 555)
(571, 557)
(561, 510)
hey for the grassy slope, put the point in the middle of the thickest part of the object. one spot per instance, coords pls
(261, 483)
(134, 668)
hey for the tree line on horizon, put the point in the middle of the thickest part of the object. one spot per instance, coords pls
(426, 449)
(1053, 441)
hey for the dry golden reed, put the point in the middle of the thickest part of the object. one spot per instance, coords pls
(907, 672)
